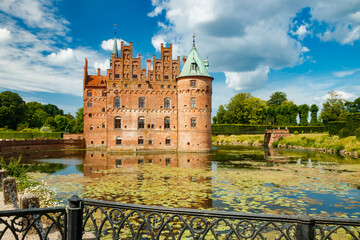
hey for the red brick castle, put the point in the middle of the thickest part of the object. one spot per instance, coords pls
(160, 108)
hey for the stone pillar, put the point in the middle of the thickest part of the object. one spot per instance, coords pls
(3, 175)
(29, 200)
(9, 190)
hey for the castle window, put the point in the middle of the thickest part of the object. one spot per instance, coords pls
(117, 122)
(91, 128)
(116, 102)
(90, 115)
(166, 77)
(139, 85)
(114, 85)
(162, 86)
(193, 83)
(89, 104)
(126, 85)
(167, 103)
(104, 94)
(141, 141)
(167, 161)
(169, 86)
(150, 142)
(192, 103)
(134, 76)
(102, 82)
(118, 163)
(167, 123)
(89, 93)
(167, 141)
(103, 125)
(141, 123)
(193, 122)
(142, 102)
(117, 75)
(103, 109)
(118, 141)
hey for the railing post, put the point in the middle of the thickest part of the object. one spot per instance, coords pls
(305, 228)
(75, 218)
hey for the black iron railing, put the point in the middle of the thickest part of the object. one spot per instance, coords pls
(37, 223)
(95, 219)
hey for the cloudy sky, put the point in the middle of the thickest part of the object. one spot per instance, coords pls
(304, 48)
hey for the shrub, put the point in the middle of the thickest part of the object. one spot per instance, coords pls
(335, 126)
(344, 132)
(357, 133)
(46, 194)
(296, 133)
(353, 122)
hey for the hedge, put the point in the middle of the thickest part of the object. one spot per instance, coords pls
(352, 122)
(335, 126)
(228, 129)
(24, 135)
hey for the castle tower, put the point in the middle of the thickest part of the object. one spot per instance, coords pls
(194, 104)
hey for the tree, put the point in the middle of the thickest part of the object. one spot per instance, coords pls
(220, 115)
(303, 114)
(52, 110)
(62, 123)
(314, 110)
(51, 123)
(293, 113)
(277, 98)
(79, 121)
(333, 108)
(353, 107)
(244, 109)
(12, 109)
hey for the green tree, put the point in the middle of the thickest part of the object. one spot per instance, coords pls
(353, 107)
(220, 115)
(277, 98)
(51, 123)
(38, 118)
(79, 121)
(303, 114)
(293, 114)
(62, 123)
(53, 110)
(314, 110)
(12, 109)
(333, 108)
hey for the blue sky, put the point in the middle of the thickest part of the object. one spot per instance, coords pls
(304, 48)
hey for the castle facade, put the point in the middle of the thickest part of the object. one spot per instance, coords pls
(157, 108)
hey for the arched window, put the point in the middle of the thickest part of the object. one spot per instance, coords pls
(141, 123)
(193, 122)
(103, 125)
(167, 141)
(116, 102)
(167, 103)
(118, 141)
(167, 123)
(117, 122)
(89, 93)
(91, 128)
(104, 94)
(142, 102)
(141, 141)
(193, 103)
(89, 104)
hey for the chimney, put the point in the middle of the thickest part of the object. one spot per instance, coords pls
(98, 71)
(184, 60)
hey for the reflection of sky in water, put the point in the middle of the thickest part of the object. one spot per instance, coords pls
(70, 168)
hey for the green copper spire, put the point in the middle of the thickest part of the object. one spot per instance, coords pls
(194, 65)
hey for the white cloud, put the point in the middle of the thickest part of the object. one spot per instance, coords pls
(157, 40)
(61, 57)
(342, 94)
(5, 35)
(102, 65)
(345, 73)
(247, 80)
(301, 32)
(108, 44)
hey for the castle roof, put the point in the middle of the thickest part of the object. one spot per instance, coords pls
(194, 65)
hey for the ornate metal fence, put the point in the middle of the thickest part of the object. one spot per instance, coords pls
(37, 223)
(109, 220)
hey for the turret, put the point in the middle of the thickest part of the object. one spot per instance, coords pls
(194, 86)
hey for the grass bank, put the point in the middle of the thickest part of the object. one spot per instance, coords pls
(238, 139)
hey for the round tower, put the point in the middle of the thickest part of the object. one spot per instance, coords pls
(194, 86)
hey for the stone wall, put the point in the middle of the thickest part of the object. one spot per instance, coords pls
(31, 145)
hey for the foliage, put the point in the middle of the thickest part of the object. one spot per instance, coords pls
(12, 109)
(357, 133)
(352, 122)
(353, 107)
(333, 108)
(46, 194)
(277, 98)
(238, 139)
(286, 113)
(30, 135)
(220, 115)
(79, 121)
(335, 126)
(229, 129)
(314, 110)
(296, 133)
(344, 132)
(303, 114)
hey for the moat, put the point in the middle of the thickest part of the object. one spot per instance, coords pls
(244, 179)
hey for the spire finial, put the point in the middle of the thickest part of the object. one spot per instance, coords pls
(193, 38)
(115, 29)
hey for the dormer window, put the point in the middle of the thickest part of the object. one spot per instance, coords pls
(192, 83)
(193, 65)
